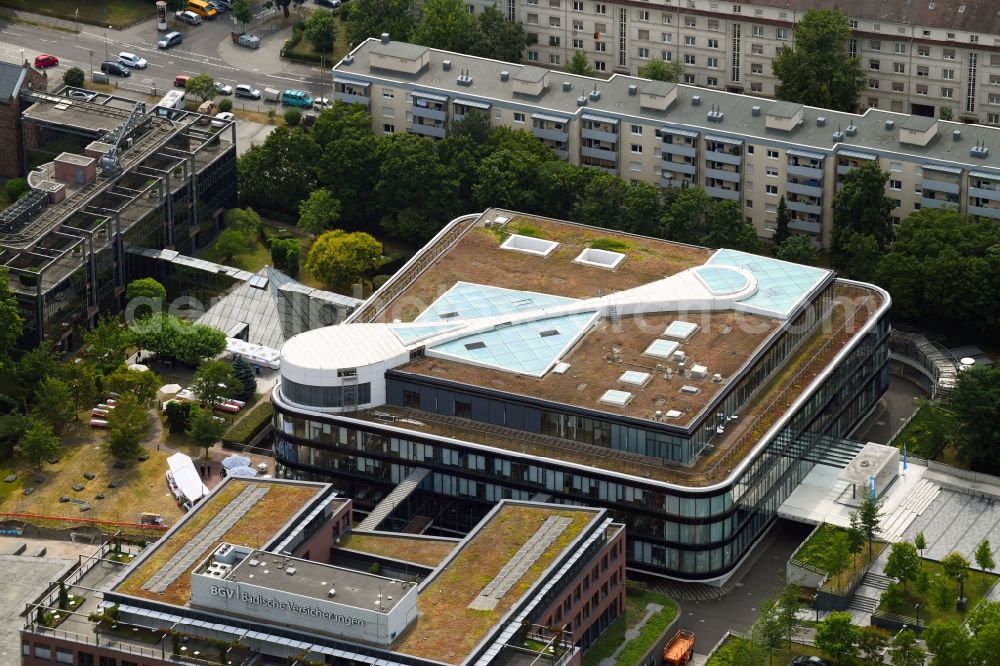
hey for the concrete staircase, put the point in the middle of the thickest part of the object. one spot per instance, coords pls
(392, 500)
(911, 506)
(877, 581)
(863, 604)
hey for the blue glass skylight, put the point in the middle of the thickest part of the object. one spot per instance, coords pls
(721, 280)
(661, 348)
(680, 329)
(466, 300)
(780, 284)
(529, 348)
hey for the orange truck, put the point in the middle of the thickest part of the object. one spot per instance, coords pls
(678, 650)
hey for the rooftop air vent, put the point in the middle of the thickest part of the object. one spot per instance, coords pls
(820, 121)
(567, 86)
(348, 59)
(851, 129)
(633, 90)
(332, 592)
(696, 100)
(717, 378)
(581, 101)
(889, 124)
(690, 390)
(715, 115)
(699, 372)
(290, 571)
(979, 150)
(505, 75)
(595, 94)
(464, 79)
(755, 110)
(385, 38)
(838, 136)
(956, 135)
(446, 65)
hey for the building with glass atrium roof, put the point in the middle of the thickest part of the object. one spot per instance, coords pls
(686, 390)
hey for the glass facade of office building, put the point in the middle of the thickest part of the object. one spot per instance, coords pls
(676, 530)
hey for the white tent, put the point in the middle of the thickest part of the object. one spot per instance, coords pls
(184, 480)
(242, 472)
(168, 391)
(139, 367)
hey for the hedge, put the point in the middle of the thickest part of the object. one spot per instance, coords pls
(244, 430)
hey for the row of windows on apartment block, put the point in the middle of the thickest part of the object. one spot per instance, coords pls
(43, 652)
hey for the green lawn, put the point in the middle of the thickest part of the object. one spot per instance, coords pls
(117, 13)
(928, 433)
(813, 551)
(976, 587)
(636, 599)
(736, 652)
(304, 50)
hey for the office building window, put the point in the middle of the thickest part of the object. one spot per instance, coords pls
(689, 40)
(600, 66)
(899, 68)
(643, 53)
(899, 48)
(757, 31)
(689, 59)
(782, 34)
(713, 63)
(772, 154)
(600, 8)
(947, 93)
(533, 56)
(874, 65)
(875, 45)
(518, 117)
(636, 130)
(554, 59)
(690, 78)
(713, 43)
(923, 50)
(772, 190)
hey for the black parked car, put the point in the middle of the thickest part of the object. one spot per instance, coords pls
(809, 661)
(115, 68)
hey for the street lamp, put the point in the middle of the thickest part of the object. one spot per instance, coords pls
(76, 19)
(106, 44)
(917, 607)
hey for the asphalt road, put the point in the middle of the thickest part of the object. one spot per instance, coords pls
(206, 49)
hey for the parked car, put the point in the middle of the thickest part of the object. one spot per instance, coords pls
(181, 80)
(115, 68)
(332, 4)
(223, 89)
(222, 118)
(296, 98)
(809, 661)
(247, 91)
(45, 60)
(321, 103)
(131, 60)
(228, 4)
(219, 6)
(170, 39)
(81, 94)
(188, 17)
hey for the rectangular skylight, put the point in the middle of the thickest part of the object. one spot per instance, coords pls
(600, 258)
(536, 246)
(674, 414)
(661, 349)
(681, 330)
(561, 368)
(549, 333)
(448, 315)
(616, 398)
(475, 345)
(635, 378)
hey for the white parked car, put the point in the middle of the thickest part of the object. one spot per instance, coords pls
(221, 119)
(321, 103)
(223, 89)
(131, 60)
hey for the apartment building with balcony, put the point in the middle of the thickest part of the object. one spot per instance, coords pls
(920, 56)
(745, 149)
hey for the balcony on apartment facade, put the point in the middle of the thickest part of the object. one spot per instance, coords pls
(461, 107)
(804, 164)
(851, 159)
(984, 194)
(940, 186)
(722, 189)
(678, 155)
(598, 154)
(599, 128)
(351, 91)
(724, 150)
(550, 128)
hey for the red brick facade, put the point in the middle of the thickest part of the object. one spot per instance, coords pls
(12, 157)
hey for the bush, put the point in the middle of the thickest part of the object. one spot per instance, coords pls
(16, 188)
(892, 598)
(292, 117)
(251, 424)
(75, 77)
(178, 416)
(225, 105)
(285, 255)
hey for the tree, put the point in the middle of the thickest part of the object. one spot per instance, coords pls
(82, 382)
(905, 650)
(280, 172)
(956, 568)
(769, 631)
(578, 64)
(107, 344)
(818, 70)
(140, 384)
(975, 401)
(349, 164)
(508, 179)
(984, 556)
(244, 374)
(292, 116)
(872, 642)
(127, 423)
(613, 203)
(285, 255)
(837, 636)
(174, 338)
(205, 430)
(920, 543)
(499, 38)
(858, 256)
(54, 404)
(214, 382)
(230, 243)
(10, 319)
(370, 18)
(446, 25)
(33, 368)
(320, 30)
(691, 216)
(178, 414)
(869, 520)
(787, 609)
(38, 443)
(662, 70)
(949, 642)
(15, 188)
(243, 13)
(74, 77)
(244, 220)
(903, 562)
(862, 207)
(63, 596)
(203, 86)
(783, 219)
(149, 290)
(838, 555)
(319, 212)
(338, 258)
(798, 250)
(284, 6)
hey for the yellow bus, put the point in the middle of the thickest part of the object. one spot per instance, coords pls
(202, 8)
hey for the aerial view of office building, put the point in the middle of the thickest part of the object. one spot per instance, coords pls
(745, 149)
(266, 571)
(686, 390)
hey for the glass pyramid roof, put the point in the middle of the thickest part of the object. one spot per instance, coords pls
(780, 284)
(529, 348)
(466, 300)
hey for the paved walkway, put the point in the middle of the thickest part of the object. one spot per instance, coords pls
(630, 634)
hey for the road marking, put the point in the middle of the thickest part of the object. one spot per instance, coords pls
(13, 34)
(285, 78)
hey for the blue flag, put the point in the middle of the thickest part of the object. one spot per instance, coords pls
(871, 486)
(904, 458)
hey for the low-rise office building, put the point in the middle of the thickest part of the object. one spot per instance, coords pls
(270, 572)
(687, 391)
(108, 179)
(740, 148)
